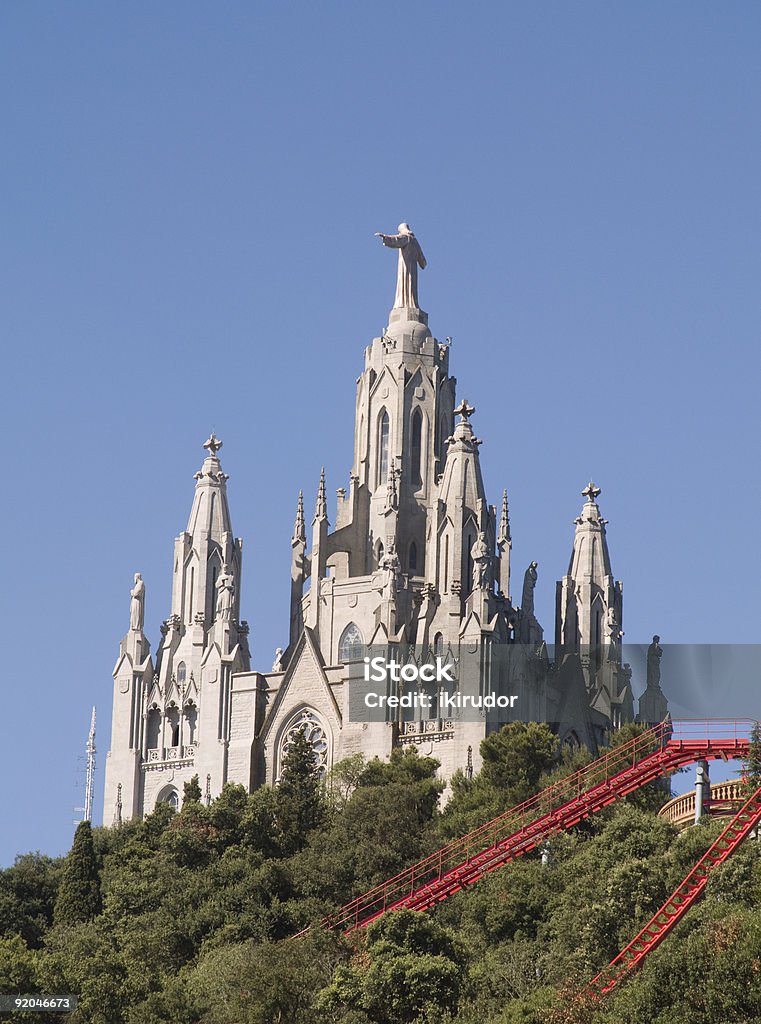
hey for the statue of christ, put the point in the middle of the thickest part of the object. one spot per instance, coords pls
(410, 257)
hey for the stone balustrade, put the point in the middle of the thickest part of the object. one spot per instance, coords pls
(726, 799)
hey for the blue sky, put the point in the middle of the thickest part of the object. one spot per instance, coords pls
(189, 193)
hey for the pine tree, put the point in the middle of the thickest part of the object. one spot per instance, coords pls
(191, 792)
(300, 802)
(79, 894)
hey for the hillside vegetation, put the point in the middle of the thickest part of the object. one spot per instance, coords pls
(183, 918)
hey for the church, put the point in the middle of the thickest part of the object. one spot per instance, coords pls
(416, 565)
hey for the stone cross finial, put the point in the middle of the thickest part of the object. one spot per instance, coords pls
(591, 492)
(464, 410)
(213, 444)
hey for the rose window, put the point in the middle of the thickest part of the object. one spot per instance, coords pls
(308, 723)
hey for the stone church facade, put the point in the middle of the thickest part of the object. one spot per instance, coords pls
(417, 563)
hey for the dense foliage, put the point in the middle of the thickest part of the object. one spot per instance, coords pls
(185, 918)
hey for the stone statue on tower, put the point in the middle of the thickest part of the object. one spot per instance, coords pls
(137, 603)
(226, 594)
(410, 258)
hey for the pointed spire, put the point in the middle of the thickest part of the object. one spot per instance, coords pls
(321, 509)
(299, 528)
(504, 523)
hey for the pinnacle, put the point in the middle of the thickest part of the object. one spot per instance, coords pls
(504, 521)
(299, 531)
(321, 509)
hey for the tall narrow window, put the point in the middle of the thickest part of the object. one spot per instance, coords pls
(182, 673)
(446, 565)
(173, 724)
(468, 581)
(191, 718)
(412, 561)
(415, 448)
(213, 591)
(383, 433)
(154, 728)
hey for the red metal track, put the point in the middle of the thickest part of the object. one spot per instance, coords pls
(680, 901)
(654, 752)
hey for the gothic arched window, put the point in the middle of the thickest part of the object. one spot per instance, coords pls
(181, 673)
(438, 644)
(412, 559)
(350, 645)
(383, 442)
(169, 796)
(308, 722)
(415, 447)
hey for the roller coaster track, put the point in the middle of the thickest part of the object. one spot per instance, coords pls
(648, 756)
(680, 901)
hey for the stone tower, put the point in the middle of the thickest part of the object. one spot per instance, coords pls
(175, 722)
(589, 614)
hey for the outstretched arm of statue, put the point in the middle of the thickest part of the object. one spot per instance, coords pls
(393, 241)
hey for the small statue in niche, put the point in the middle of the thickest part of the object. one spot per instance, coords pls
(481, 563)
(225, 594)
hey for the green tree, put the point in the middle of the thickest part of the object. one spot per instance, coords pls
(258, 825)
(300, 806)
(79, 896)
(191, 792)
(17, 966)
(515, 757)
(344, 778)
(407, 768)
(27, 895)
(412, 971)
(267, 983)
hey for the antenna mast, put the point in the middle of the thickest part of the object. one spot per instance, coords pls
(90, 778)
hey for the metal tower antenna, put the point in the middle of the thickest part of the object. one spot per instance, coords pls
(90, 778)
